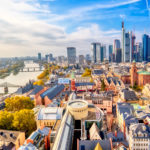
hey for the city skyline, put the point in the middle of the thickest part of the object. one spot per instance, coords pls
(50, 26)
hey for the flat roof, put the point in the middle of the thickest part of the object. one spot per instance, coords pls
(77, 103)
(50, 113)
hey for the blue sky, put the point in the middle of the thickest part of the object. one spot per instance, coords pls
(49, 26)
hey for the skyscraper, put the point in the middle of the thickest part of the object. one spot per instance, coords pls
(139, 52)
(118, 55)
(51, 57)
(71, 55)
(81, 59)
(102, 53)
(96, 52)
(39, 56)
(127, 47)
(123, 42)
(145, 47)
(110, 53)
(134, 52)
(116, 46)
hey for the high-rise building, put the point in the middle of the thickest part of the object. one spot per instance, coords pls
(139, 52)
(88, 58)
(118, 55)
(116, 46)
(96, 52)
(47, 57)
(51, 57)
(81, 59)
(134, 52)
(39, 56)
(127, 47)
(123, 42)
(61, 59)
(104, 52)
(110, 53)
(71, 55)
(146, 48)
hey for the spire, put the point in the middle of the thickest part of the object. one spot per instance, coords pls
(98, 147)
(122, 24)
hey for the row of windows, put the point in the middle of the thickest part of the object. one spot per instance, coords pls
(79, 110)
(141, 144)
(140, 149)
(49, 123)
(140, 139)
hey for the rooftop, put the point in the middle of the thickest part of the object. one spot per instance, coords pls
(77, 103)
(50, 113)
(143, 72)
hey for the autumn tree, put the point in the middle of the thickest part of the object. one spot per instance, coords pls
(24, 120)
(18, 102)
(87, 73)
(39, 82)
(6, 119)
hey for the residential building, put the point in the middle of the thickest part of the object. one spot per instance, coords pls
(71, 55)
(10, 140)
(103, 100)
(139, 137)
(127, 95)
(40, 139)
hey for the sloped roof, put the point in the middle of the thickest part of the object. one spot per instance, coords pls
(129, 95)
(94, 130)
(91, 144)
(36, 90)
(98, 147)
(25, 89)
(52, 92)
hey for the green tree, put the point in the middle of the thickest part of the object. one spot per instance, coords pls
(24, 120)
(6, 119)
(18, 102)
(103, 86)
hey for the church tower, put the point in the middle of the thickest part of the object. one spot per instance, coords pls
(133, 73)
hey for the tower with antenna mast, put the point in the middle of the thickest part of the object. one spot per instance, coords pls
(123, 42)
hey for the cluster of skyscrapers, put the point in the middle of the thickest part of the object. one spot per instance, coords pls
(125, 51)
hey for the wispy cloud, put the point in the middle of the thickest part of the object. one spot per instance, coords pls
(28, 26)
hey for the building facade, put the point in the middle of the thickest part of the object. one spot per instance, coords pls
(116, 46)
(96, 52)
(71, 55)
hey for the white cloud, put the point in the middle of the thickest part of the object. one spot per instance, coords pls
(24, 33)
